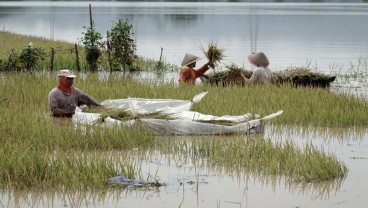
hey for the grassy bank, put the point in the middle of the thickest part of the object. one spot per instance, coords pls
(64, 53)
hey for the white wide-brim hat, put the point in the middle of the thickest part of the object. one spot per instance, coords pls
(66, 73)
(188, 59)
(258, 59)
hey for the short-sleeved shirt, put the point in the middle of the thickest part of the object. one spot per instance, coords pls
(62, 103)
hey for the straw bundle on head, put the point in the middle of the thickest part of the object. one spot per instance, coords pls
(213, 53)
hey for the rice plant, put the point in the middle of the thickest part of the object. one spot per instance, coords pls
(39, 152)
(261, 157)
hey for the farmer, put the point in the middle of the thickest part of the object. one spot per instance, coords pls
(262, 74)
(64, 98)
(187, 73)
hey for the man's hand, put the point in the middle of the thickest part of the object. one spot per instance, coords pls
(71, 109)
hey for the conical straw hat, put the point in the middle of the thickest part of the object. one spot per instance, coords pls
(188, 59)
(258, 59)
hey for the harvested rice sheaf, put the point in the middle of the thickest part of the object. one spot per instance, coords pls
(298, 76)
(125, 115)
(301, 76)
(213, 53)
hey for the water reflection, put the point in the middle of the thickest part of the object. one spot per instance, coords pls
(189, 181)
(342, 135)
(63, 198)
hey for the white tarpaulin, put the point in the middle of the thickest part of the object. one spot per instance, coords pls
(142, 106)
(180, 120)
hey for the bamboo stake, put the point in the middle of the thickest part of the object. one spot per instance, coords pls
(52, 59)
(90, 16)
(108, 50)
(158, 66)
(77, 57)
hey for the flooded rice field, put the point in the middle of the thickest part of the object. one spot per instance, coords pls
(195, 183)
(288, 33)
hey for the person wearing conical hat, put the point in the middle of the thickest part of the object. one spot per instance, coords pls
(262, 74)
(64, 98)
(187, 72)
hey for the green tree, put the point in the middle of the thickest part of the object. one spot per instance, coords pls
(28, 59)
(92, 41)
(30, 56)
(122, 46)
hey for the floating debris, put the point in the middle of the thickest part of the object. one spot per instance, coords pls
(132, 183)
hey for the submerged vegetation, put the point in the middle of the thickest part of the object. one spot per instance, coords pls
(42, 152)
(263, 157)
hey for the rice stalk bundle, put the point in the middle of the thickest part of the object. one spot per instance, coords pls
(297, 76)
(303, 77)
(124, 115)
(214, 54)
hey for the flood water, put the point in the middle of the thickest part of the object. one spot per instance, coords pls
(191, 183)
(330, 37)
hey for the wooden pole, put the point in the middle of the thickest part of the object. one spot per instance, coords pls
(52, 59)
(158, 66)
(108, 49)
(90, 16)
(77, 57)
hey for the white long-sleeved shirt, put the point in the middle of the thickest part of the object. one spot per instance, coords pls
(261, 75)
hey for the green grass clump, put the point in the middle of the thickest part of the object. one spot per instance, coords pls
(70, 170)
(302, 106)
(261, 156)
